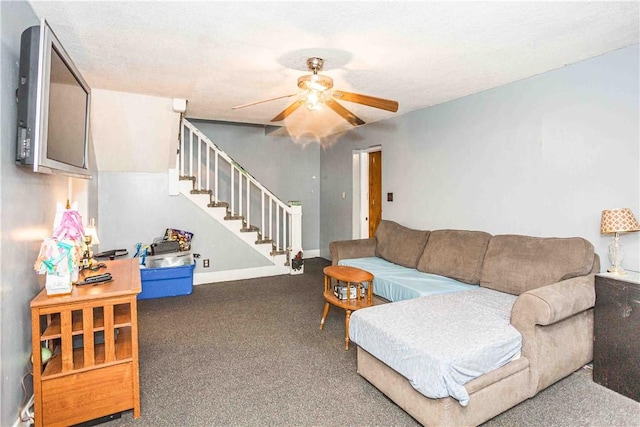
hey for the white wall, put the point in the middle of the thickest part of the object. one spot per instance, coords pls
(133, 133)
(27, 209)
(542, 156)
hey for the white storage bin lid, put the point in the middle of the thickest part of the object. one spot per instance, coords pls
(173, 259)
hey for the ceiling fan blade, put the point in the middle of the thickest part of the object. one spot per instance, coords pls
(371, 101)
(260, 102)
(344, 113)
(290, 109)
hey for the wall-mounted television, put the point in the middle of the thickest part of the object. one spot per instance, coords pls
(53, 107)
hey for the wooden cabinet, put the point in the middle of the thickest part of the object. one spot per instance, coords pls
(616, 347)
(93, 335)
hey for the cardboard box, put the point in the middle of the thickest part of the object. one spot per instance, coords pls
(166, 281)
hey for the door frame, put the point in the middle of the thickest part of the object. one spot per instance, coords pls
(360, 208)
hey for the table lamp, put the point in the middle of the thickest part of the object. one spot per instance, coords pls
(90, 239)
(617, 221)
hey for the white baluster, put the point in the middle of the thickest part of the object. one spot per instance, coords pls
(217, 178)
(208, 169)
(248, 203)
(277, 227)
(270, 218)
(262, 230)
(240, 210)
(232, 190)
(191, 153)
(199, 160)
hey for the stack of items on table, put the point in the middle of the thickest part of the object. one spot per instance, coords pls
(167, 265)
(60, 255)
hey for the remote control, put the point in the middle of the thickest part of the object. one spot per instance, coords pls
(99, 278)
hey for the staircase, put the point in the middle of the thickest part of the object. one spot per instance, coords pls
(212, 180)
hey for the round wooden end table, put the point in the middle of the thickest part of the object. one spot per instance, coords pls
(353, 289)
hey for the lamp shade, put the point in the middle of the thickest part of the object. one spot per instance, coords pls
(618, 221)
(90, 230)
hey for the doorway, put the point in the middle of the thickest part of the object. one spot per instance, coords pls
(367, 191)
(375, 191)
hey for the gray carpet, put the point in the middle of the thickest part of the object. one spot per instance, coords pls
(250, 353)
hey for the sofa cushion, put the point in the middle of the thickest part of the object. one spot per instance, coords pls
(399, 244)
(516, 264)
(394, 282)
(455, 253)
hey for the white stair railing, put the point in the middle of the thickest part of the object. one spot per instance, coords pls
(231, 186)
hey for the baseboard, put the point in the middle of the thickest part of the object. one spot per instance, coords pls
(245, 273)
(311, 253)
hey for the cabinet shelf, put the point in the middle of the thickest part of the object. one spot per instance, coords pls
(122, 354)
(121, 317)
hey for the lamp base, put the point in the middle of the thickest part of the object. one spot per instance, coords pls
(617, 270)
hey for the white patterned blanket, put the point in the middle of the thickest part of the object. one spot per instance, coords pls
(441, 342)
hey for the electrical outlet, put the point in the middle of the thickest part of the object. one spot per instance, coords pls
(205, 263)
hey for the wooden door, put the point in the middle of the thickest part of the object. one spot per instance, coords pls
(375, 191)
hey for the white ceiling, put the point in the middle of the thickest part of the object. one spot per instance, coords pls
(221, 54)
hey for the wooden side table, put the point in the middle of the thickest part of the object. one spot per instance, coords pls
(354, 280)
(616, 346)
(93, 335)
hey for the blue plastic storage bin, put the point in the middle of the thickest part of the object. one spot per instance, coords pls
(166, 281)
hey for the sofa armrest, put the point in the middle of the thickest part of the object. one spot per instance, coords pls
(552, 303)
(345, 249)
(556, 323)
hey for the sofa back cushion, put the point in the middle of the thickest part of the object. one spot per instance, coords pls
(455, 253)
(399, 244)
(516, 264)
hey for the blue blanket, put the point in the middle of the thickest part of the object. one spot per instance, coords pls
(396, 283)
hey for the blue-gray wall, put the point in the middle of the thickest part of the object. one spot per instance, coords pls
(27, 209)
(542, 156)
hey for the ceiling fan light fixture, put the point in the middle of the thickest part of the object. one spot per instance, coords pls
(314, 100)
(315, 95)
(315, 82)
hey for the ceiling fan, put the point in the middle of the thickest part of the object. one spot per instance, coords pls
(316, 93)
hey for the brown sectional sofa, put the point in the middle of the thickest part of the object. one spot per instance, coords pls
(553, 279)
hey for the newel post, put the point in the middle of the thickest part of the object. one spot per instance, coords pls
(296, 261)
